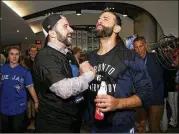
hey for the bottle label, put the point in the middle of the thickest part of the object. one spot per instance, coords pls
(99, 115)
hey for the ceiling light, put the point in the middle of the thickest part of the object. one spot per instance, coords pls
(78, 12)
(17, 30)
(35, 28)
(109, 8)
(124, 15)
(26, 38)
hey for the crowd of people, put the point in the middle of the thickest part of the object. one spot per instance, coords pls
(56, 89)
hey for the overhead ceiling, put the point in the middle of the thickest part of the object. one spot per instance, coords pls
(24, 8)
(131, 10)
(13, 28)
(33, 12)
(87, 9)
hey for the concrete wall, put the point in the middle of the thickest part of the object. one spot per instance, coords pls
(165, 12)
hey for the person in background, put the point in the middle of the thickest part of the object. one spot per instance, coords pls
(77, 53)
(80, 57)
(58, 89)
(121, 69)
(175, 58)
(38, 46)
(171, 85)
(177, 81)
(3, 59)
(154, 112)
(2, 62)
(13, 94)
(74, 63)
(22, 62)
(32, 54)
(173, 96)
(29, 63)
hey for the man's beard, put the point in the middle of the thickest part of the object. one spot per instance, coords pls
(63, 39)
(104, 32)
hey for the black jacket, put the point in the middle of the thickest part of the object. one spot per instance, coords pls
(155, 71)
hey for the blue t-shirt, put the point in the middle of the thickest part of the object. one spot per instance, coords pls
(75, 70)
(13, 94)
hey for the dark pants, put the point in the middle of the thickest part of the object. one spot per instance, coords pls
(80, 115)
(153, 114)
(50, 124)
(47, 125)
(0, 123)
(13, 124)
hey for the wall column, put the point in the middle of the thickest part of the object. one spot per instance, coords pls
(145, 25)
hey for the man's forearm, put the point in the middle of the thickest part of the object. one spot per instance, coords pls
(131, 102)
(72, 86)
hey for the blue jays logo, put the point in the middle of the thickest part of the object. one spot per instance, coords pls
(18, 87)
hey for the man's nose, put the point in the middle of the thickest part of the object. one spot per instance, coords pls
(137, 49)
(71, 30)
(99, 22)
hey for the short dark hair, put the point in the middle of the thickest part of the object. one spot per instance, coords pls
(118, 19)
(140, 38)
(14, 47)
(76, 50)
(33, 46)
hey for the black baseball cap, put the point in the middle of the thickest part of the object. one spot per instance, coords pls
(50, 21)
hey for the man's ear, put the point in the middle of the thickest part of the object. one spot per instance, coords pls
(52, 33)
(117, 29)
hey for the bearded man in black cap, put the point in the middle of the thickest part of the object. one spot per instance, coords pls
(59, 93)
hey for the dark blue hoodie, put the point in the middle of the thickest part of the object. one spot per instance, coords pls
(123, 70)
